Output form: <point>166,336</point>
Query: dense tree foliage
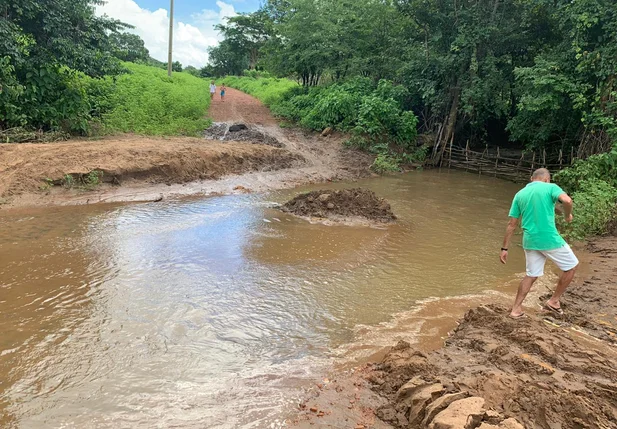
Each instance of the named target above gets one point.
<point>225,59</point>
<point>540,73</point>
<point>55,60</point>
<point>192,70</point>
<point>44,46</point>
<point>245,35</point>
<point>129,47</point>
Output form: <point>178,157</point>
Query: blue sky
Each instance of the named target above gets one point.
<point>183,9</point>
<point>194,22</point>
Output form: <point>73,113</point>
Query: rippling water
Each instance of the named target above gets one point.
<point>215,312</point>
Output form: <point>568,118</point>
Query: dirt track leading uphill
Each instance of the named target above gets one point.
<point>138,168</point>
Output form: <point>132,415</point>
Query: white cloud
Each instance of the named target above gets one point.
<point>191,40</point>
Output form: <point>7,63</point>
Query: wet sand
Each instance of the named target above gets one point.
<point>494,372</point>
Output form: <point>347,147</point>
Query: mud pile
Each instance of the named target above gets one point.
<point>495,372</point>
<point>341,204</point>
<point>241,133</point>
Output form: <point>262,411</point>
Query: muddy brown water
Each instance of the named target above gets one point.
<point>217,312</point>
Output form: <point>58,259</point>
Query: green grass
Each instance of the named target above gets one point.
<point>269,91</point>
<point>147,101</point>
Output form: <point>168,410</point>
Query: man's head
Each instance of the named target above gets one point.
<point>541,175</point>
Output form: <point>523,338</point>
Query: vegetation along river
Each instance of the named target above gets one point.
<point>217,312</point>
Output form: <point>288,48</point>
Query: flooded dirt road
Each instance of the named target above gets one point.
<point>217,312</point>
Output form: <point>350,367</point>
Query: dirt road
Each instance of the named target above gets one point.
<point>495,372</point>
<point>138,168</point>
<point>240,107</point>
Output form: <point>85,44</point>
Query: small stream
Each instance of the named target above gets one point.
<point>216,312</point>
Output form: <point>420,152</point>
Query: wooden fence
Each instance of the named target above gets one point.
<point>503,167</point>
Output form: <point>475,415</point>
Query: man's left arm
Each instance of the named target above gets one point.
<point>564,200</point>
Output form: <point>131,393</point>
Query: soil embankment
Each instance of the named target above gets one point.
<point>496,372</point>
<point>344,204</point>
<point>259,157</point>
<point>33,167</point>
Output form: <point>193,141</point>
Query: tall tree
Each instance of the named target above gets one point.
<point>42,46</point>
<point>540,73</point>
<point>64,32</point>
<point>226,60</point>
<point>247,33</point>
<point>129,47</point>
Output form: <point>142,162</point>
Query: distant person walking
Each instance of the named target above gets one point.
<point>223,89</point>
<point>212,90</point>
<point>535,206</point>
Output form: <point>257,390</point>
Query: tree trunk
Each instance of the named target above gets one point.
<point>253,58</point>
<point>449,124</point>
<point>452,116</point>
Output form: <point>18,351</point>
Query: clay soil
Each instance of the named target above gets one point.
<point>137,168</point>
<point>341,204</point>
<point>542,371</point>
<point>29,167</point>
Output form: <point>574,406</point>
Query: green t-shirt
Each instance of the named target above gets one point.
<point>535,203</point>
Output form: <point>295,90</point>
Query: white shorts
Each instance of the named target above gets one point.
<point>563,257</point>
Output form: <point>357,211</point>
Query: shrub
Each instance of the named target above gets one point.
<point>387,89</point>
<point>385,163</point>
<point>256,74</point>
<point>378,117</point>
<point>294,108</point>
<point>334,109</point>
<point>373,112</point>
<point>147,101</point>
<point>407,130</point>
<point>595,204</point>
<point>596,167</point>
<point>360,86</point>
<point>416,156</point>
<point>592,183</point>
<point>47,97</point>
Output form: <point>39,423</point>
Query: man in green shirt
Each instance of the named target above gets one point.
<point>535,207</point>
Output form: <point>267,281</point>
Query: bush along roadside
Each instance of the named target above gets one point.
<point>592,183</point>
<point>374,114</point>
<point>147,101</point>
<point>143,100</point>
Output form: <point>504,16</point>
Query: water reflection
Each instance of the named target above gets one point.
<point>214,312</point>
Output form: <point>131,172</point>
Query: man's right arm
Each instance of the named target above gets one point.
<point>512,224</point>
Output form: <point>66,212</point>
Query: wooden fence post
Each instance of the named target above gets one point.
<point>533,161</point>
<point>450,161</point>
<point>572,155</point>
<point>520,164</point>
<point>496,161</point>
<point>467,156</point>
<point>482,159</point>
<point>544,158</point>
<point>560,159</point>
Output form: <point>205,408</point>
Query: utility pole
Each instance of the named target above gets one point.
<point>171,36</point>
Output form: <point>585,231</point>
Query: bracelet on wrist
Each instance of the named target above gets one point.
<point>504,249</point>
